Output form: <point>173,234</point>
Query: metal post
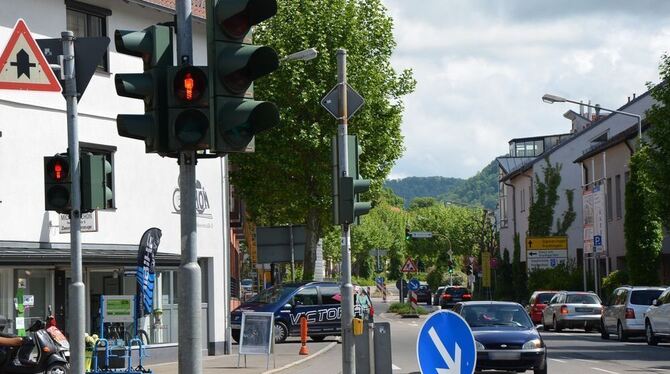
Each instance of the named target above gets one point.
<point>290,228</point>
<point>596,265</point>
<point>584,263</point>
<point>77,290</point>
<point>225,192</point>
<point>346,288</point>
<point>190,335</point>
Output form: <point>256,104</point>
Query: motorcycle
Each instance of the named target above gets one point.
<point>43,352</point>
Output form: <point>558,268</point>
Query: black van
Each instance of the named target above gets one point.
<point>319,302</point>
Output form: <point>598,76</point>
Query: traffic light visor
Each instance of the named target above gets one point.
<point>58,169</point>
<point>236,17</point>
<point>239,67</point>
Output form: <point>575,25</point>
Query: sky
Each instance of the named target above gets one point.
<point>482,67</point>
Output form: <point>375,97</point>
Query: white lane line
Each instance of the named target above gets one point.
<point>581,359</point>
<point>605,371</point>
<point>557,360</point>
<point>394,367</point>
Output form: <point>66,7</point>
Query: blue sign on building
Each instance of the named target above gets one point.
<point>597,240</point>
<point>446,345</point>
<point>413,284</point>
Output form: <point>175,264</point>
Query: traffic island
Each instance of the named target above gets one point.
<point>405,310</point>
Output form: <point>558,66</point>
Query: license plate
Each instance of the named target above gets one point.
<point>584,310</point>
<point>504,355</point>
<point>457,299</point>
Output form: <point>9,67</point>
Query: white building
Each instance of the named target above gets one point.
<point>33,125</point>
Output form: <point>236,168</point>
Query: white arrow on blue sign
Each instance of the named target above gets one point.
<point>446,345</point>
<point>413,284</point>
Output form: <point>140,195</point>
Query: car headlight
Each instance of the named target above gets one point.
<point>532,344</point>
<point>479,346</point>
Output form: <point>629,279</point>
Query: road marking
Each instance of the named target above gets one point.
<point>581,359</point>
<point>605,371</point>
<point>557,360</point>
<point>394,367</point>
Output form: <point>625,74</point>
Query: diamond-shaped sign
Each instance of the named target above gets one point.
<point>332,101</point>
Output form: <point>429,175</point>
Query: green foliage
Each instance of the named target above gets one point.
<point>361,281</point>
<point>412,187</point>
<point>504,289</point>
<point>659,135</point>
<point>541,215</point>
<point>519,276</point>
<point>288,178</point>
<point>568,216</point>
<point>563,277</point>
<point>422,202</point>
<point>613,280</point>
<point>643,229</point>
<point>391,198</point>
<point>405,308</point>
<point>439,277</point>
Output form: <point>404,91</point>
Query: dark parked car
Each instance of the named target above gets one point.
<point>505,337</point>
<point>453,295</point>
<point>438,294</point>
<point>423,294</point>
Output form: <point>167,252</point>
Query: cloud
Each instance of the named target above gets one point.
<point>481,68</point>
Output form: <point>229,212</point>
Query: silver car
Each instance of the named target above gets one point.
<point>657,319</point>
<point>572,309</point>
<point>623,311</point>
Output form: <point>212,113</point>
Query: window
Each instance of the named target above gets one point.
<point>86,20</point>
<point>523,199</point>
<point>306,296</point>
<point>617,181</point>
<point>108,152</point>
<point>609,199</point>
<point>586,178</point>
<point>330,295</point>
<point>503,205</point>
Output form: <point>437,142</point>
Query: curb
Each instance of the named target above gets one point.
<point>295,363</point>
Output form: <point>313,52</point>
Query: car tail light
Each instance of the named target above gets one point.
<point>446,296</point>
<point>467,296</point>
<point>630,313</point>
<point>564,309</point>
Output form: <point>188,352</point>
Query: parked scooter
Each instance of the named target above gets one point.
<point>44,352</point>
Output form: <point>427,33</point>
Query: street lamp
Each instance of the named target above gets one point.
<point>304,55</point>
<point>550,99</point>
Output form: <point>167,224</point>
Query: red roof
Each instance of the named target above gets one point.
<point>197,6</point>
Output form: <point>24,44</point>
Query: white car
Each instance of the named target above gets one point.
<point>657,319</point>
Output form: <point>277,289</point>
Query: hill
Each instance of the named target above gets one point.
<point>480,189</point>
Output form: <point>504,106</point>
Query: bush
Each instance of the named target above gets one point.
<point>405,308</point>
<point>439,277</point>
<point>613,280</point>
<point>562,277</point>
<point>360,281</point>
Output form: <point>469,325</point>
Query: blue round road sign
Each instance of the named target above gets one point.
<point>413,284</point>
<point>446,345</point>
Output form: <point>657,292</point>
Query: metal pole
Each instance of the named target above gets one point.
<point>77,290</point>
<point>346,288</point>
<point>225,188</point>
<point>584,269</point>
<point>190,335</point>
<point>290,228</point>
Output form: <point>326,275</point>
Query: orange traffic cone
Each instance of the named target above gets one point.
<point>303,337</point>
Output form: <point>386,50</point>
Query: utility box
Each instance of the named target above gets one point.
<point>382,348</point>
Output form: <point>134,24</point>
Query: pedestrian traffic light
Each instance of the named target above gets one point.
<point>188,113</point>
<point>96,182</point>
<point>408,234</point>
<point>234,65</point>
<point>154,46</point>
<point>57,183</point>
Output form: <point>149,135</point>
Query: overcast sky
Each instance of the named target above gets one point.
<point>482,67</point>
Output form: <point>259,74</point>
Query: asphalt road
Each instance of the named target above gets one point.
<point>569,352</point>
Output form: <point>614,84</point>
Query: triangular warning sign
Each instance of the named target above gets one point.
<point>22,64</point>
<point>409,266</point>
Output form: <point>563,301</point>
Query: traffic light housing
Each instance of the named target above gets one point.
<point>408,234</point>
<point>154,45</point>
<point>188,103</point>
<point>96,182</point>
<point>469,269</point>
<point>234,65</point>
<point>451,267</point>
<point>347,207</point>
<point>57,183</point>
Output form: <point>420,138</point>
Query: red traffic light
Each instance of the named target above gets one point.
<point>58,169</point>
<point>190,84</point>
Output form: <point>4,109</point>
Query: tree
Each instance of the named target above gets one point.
<point>541,215</point>
<point>422,202</point>
<point>288,178</point>
<point>643,229</point>
<point>519,276</point>
<point>659,135</point>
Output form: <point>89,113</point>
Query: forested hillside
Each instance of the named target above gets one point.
<point>480,189</point>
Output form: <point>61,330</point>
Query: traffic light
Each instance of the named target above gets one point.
<point>154,45</point>
<point>451,267</point>
<point>57,183</point>
<point>234,65</point>
<point>408,234</point>
<point>469,269</point>
<point>188,113</point>
<point>96,182</point>
<point>350,208</point>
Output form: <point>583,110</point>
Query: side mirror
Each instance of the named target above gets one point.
<point>287,306</point>
<point>654,302</point>
<point>539,327</point>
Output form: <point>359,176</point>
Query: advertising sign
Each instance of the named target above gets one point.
<point>587,211</point>
<point>599,219</point>
<point>486,269</point>
<point>118,308</point>
<point>256,335</point>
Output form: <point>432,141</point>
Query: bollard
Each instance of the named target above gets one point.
<point>303,336</point>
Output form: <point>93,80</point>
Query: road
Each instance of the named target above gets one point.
<point>570,351</point>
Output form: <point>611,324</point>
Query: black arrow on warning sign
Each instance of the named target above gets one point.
<point>23,64</point>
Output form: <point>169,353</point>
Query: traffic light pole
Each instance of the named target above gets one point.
<point>190,335</point>
<point>77,291</point>
<point>346,288</point>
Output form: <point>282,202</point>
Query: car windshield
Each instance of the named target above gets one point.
<point>272,295</point>
<point>544,298</point>
<point>496,315</point>
<point>582,299</point>
<point>644,297</point>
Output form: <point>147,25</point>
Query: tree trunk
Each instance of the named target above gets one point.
<point>312,233</point>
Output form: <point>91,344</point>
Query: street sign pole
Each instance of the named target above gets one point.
<point>77,289</point>
<point>190,334</point>
<point>346,288</point>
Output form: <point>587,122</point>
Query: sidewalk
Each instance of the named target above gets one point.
<point>286,356</point>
